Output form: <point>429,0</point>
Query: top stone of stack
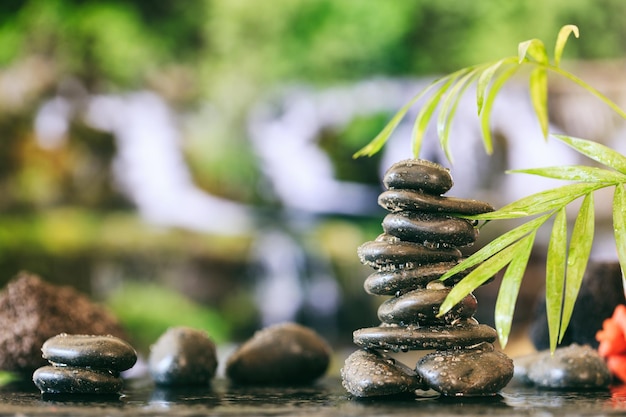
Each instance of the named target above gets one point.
<point>418,174</point>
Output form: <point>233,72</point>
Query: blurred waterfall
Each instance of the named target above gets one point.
<point>148,168</point>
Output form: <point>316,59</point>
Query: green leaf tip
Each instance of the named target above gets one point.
<point>533,49</point>
<point>561,40</point>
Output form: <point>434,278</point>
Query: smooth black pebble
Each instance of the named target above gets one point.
<point>281,354</point>
<point>418,174</point>
<point>100,352</point>
<point>371,374</point>
<point>76,380</point>
<point>183,356</point>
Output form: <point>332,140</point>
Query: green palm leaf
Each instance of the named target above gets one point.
<point>449,107</point>
<point>597,152</point>
<point>497,245</point>
<point>379,141</point>
<point>561,40</point>
<point>478,276</point>
<point>485,115</point>
<point>541,202</point>
<point>426,112</point>
<point>555,275</point>
<point>619,225</point>
<point>538,86</point>
<point>509,289</point>
<point>581,173</point>
<point>577,258</point>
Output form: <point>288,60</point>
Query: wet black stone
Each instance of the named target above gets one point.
<point>477,372</point>
<point>418,174</point>
<point>408,200</point>
<point>100,352</point>
<point>183,356</point>
<point>430,229</point>
<point>573,367</point>
<point>286,353</point>
<point>75,380</point>
<point>371,374</point>
<point>402,280</point>
<point>390,253</point>
<point>397,338</point>
<point>422,306</point>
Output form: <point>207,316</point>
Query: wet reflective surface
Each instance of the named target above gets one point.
<point>326,398</point>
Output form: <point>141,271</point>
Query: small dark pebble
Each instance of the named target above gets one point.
<point>573,367</point>
<point>430,229</point>
<point>384,253</point>
<point>402,280</point>
<point>99,352</point>
<point>183,356</point>
<point>281,354</point>
<point>371,374</point>
<point>477,372</point>
<point>422,306</point>
<point>75,380</point>
<point>397,338</point>
<point>418,174</point>
<point>401,200</point>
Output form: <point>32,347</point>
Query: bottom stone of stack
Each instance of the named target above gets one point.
<point>481,371</point>
<point>371,374</point>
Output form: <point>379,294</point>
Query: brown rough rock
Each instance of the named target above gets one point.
<point>32,311</point>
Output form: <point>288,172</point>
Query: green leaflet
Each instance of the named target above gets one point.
<point>541,202</point>
<point>534,49</point>
<point>590,89</point>
<point>561,40</point>
<point>538,86</point>
<point>379,141</point>
<point>581,173</point>
<point>497,245</point>
<point>555,275</point>
<point>619,225</point>
<point>485,80</point>
<point>485,115</point>
<point>577,258</point>
<point>427,110</point>
<point>478,276</point>
<point>597,152</point>
<point>509,289</point>
<point>449,107</point>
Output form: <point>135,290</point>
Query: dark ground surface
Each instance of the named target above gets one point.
<point>326,398</point>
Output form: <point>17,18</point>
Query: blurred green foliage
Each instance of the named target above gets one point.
<point>234,47</point>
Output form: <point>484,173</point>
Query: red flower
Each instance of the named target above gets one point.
<point>612,340</point>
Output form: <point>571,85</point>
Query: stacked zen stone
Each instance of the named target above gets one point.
<point>84,364</point>
<point>419,244</point>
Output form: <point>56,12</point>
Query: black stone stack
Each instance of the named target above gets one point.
<point>84,364</point>
<point>419,244</point>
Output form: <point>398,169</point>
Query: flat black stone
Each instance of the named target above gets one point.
<point>422,306</point>
<point>573,367</point>
<point>418,174</point>
<point>183,356</point>
<point>388,252</point>
<point>286,353</point>
<point>75,380</point>
<point>430,229</point>
<point>404,338</point>
<point>101,352</point>
<point>408,200</point>
<point>373,374</point>
<point>402,280</point>
<point>469,373</point>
